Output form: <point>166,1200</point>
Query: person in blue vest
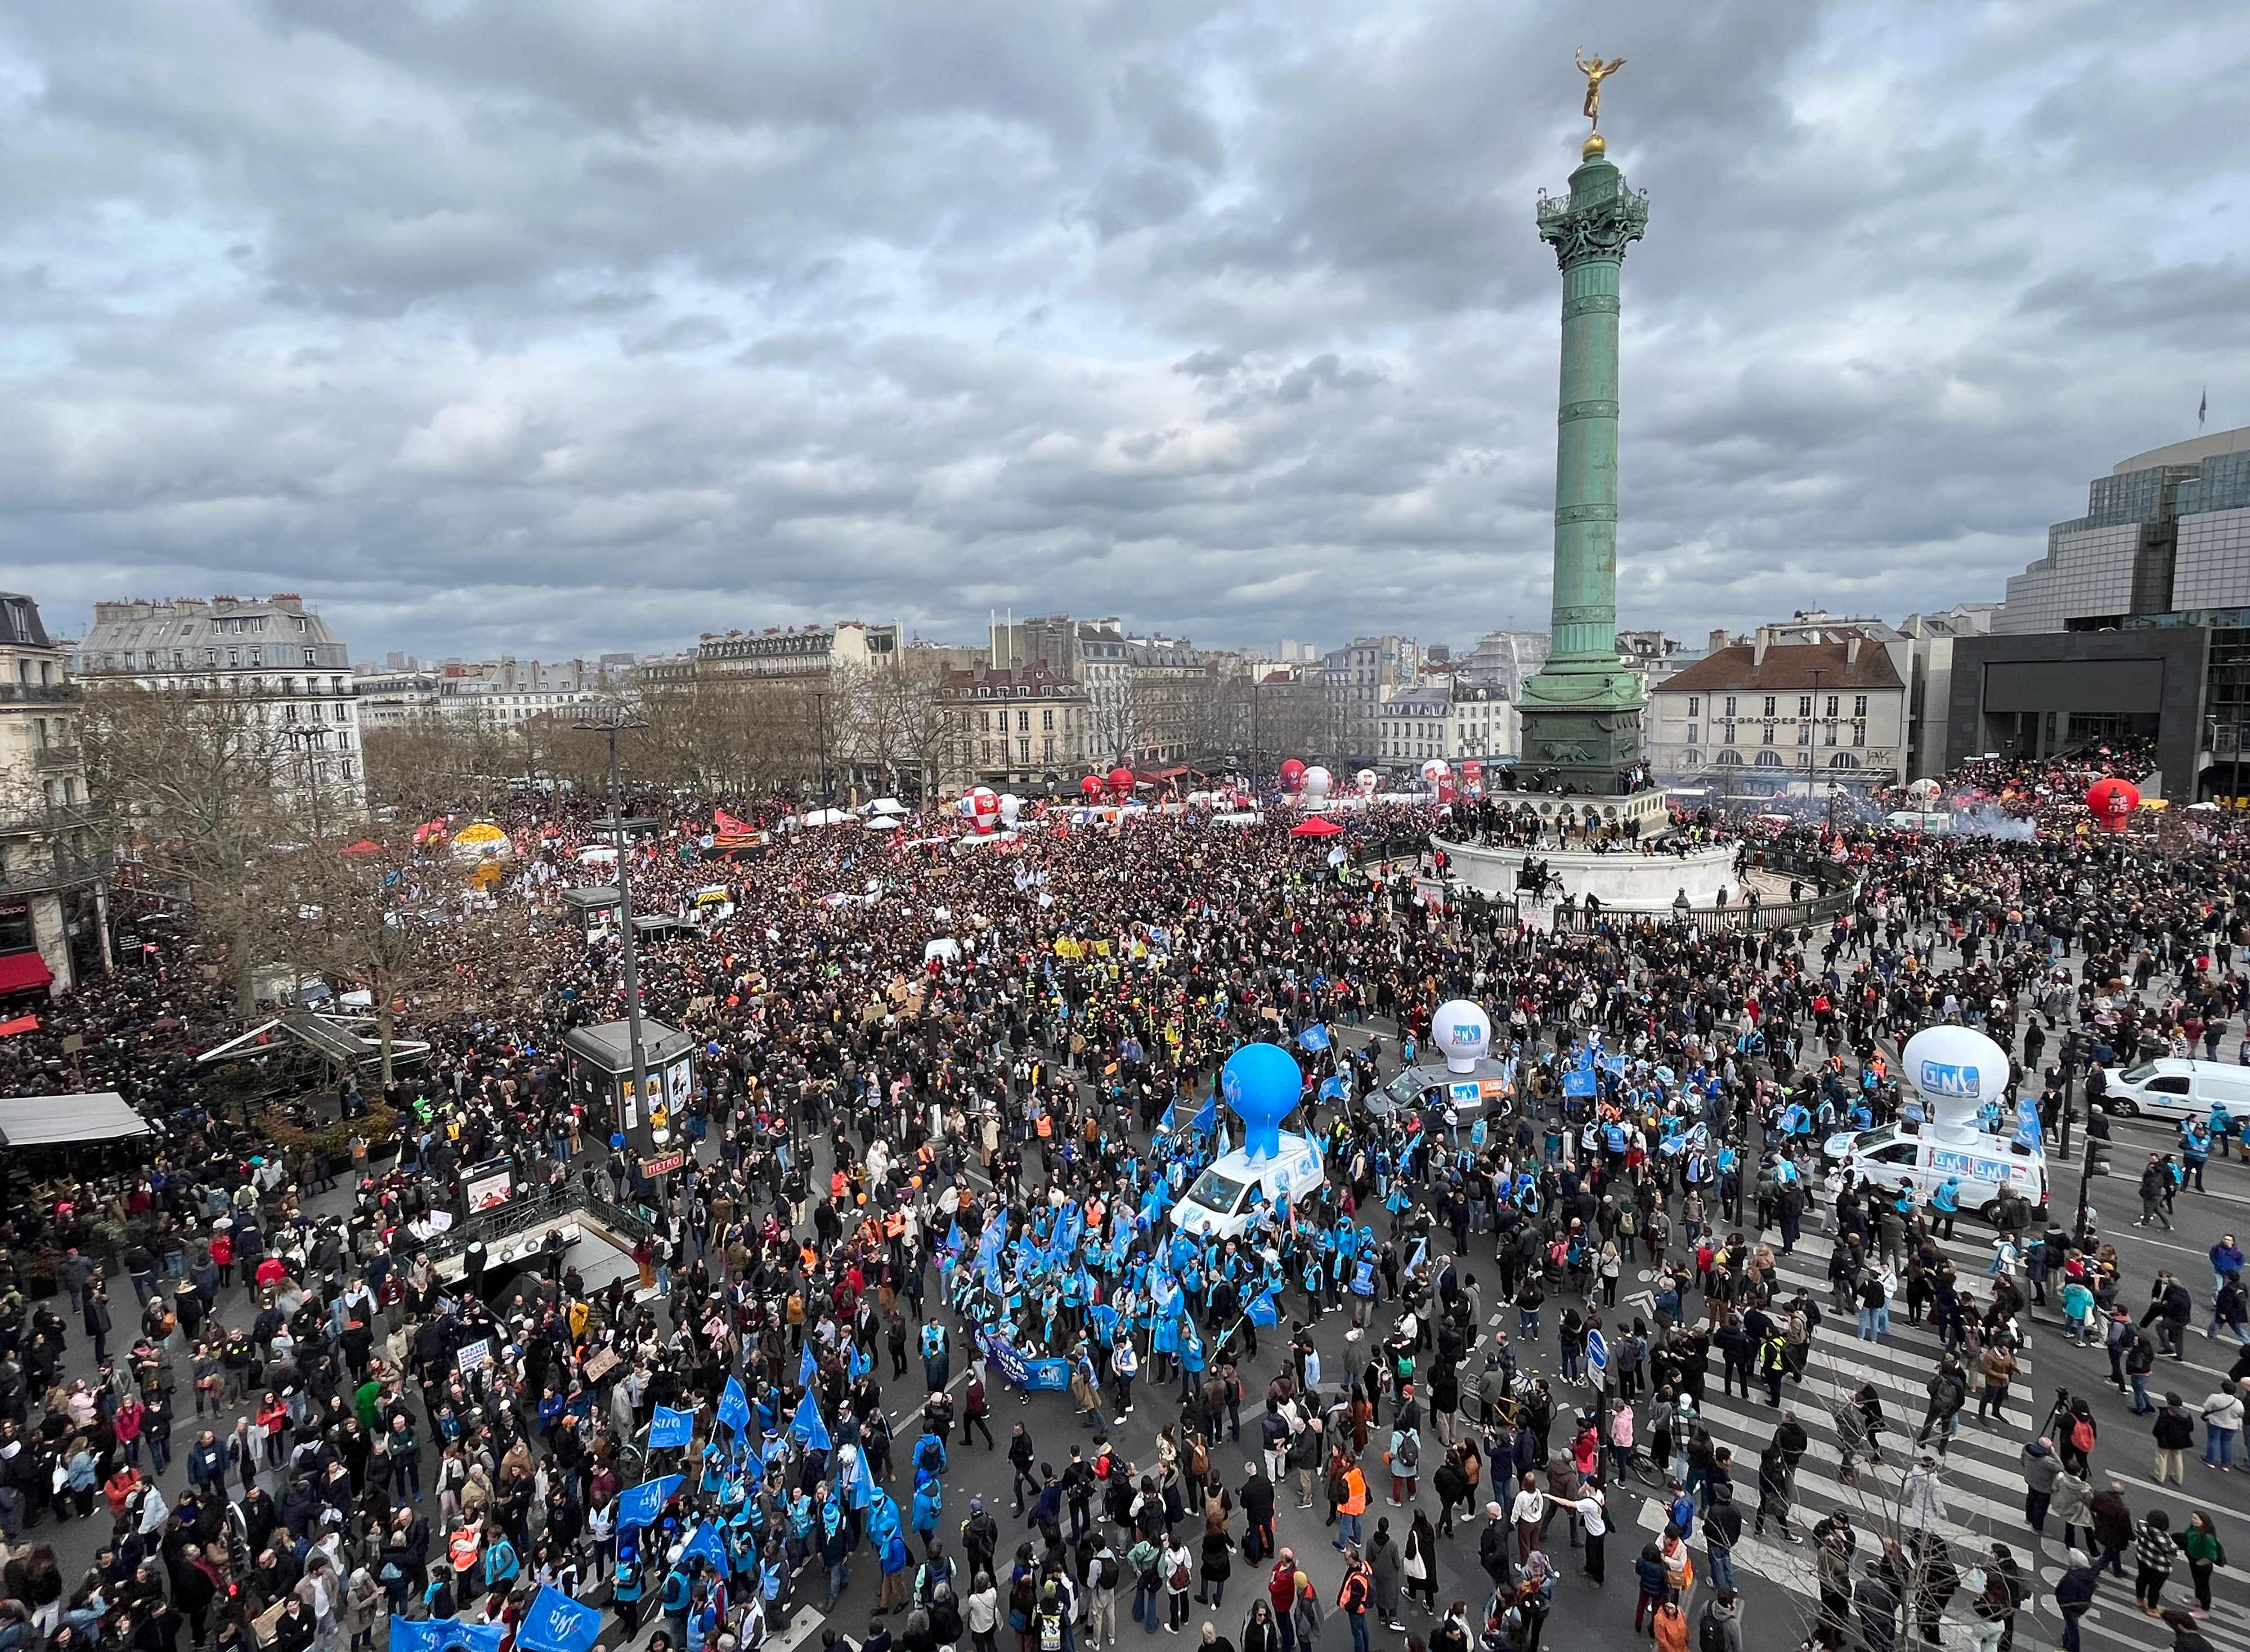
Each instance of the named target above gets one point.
<point>625,1595</point>
<point>1945,1205</point>
<point>500,1564</point>
<point>2195,1152</point>
<point>678,1595</point>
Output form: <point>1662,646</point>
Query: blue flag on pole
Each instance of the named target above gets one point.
<point>1262,1310</point>
<point>1332,1088</point>
<point>1421,1250</point>
<point>856,1368</point>
<point>640,1504</point>
<point>1315,1037</point>
<point>734,1405</point>
<point>557,1623</point>
<point>446,1635</point>
<point>709,1545</point>
<point>861,1492</point>
<point>670,1428</point>
<point>805,1368</point>
<point>807,1426</point>
<point>2028,1131</point>
<point>1206,1117</point>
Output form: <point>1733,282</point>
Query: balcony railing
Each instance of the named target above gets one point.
<point>58,757</point>
<point>60,817</point>
<point>40,693</point>
<point>66,872</point>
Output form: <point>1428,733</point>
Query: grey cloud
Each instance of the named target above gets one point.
<point>574,328</point>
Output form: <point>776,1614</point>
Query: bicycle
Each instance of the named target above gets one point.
<point>1645,1469</point>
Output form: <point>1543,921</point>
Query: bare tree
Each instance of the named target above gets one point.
<point>200,777</point>
<point>391,919</point>
<point>893,722</point>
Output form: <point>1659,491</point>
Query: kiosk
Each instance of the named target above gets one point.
<point>600,1058</point>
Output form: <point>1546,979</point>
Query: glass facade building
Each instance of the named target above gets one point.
<point>2166,531</point>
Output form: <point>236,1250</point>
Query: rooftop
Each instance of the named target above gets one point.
<point>1789,667</point>
<point>2193,452</point>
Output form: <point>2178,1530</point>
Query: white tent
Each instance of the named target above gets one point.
<point>824,817</point>
<point>882,822</point>
<point>40,1121</point>
<point>887,806</point>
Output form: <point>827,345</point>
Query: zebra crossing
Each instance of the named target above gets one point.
<point>1980,1483</point>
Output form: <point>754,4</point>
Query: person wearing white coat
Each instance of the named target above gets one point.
<point>1925,1498</point>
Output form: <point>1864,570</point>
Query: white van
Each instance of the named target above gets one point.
<point>1885,1157</point>
<point>1231,1192</point>
<point>2176,1087</point>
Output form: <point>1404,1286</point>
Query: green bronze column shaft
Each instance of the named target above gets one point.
<point>1584,625</point>
<point>1582,712</point>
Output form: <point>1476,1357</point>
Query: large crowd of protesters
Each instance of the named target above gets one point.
<point>919,1161</point>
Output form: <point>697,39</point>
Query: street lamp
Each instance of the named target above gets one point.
<point>611,719</point>
<point>308,740</point>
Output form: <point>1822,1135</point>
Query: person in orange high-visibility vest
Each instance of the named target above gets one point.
<point>1353,1506</point>
<point>461,1549</point>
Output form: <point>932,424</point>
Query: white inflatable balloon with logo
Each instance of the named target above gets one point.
<point>984,808</point>
<point>1463,1032</point>
<point>1954,1071</point>
<point>1317,782</point>
<point>1436,770</point>
<point>1010,806</point>
<point>1366,781</point>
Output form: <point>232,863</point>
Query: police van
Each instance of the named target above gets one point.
<point>1236,1190</point>
<point>1887,1156</point>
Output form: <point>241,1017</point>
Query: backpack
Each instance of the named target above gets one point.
<point>1409,1455</point>
<point>1709,1637</point>
<point>1105,1574</point>
<point>1180,1574</point>
<point>2081,1435</point>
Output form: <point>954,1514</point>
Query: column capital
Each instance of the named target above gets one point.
<point>1599,218</point>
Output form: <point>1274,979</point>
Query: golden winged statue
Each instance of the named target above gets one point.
<point>1596,73</point>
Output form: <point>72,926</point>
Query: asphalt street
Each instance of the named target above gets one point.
<point>1982,1487</point>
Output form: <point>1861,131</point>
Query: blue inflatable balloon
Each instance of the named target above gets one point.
<point>1261,1083</point>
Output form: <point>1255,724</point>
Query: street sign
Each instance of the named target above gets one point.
<point>664,1166</point>
<point>1598,1350</point>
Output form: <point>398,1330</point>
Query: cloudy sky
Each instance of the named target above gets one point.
<point>560,326</point>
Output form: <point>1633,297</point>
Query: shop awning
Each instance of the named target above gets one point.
<point>40,1121</point>
<point>24,972</point>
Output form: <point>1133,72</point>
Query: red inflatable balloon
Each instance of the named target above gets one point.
<point>2112,802</point>
<point>1293,775</point>
<point>1090,787</point>
<point>1120,782</point>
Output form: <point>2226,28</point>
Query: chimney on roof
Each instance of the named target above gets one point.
<point>287,602</point>
<point>1717,639</point>
<point>1852,649</point>
<point>1761,642</point>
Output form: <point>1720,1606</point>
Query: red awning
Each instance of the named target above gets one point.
<point>24,972</point>
<point>1319,826</point>
<point>20,1024</point>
